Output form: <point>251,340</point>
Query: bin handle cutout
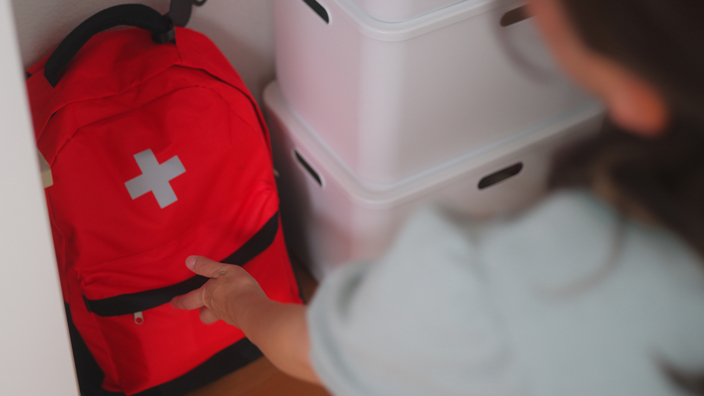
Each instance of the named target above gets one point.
<point>308,168</point>
<point>502,175</point>
<point>319,9</point>
<point>514,16</point>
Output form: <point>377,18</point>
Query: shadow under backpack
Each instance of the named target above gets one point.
<point>157,151</point>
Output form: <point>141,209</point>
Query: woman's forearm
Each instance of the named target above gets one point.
<point>281,333</point>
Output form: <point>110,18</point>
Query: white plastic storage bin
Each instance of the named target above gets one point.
<point>329,218</point>
<point>403,10</point>
<point>394,100</point>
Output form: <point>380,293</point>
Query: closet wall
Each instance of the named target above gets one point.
<point>242,29</point>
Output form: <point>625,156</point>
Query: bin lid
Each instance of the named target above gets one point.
<point>370,20</point>
<point>402,10</point>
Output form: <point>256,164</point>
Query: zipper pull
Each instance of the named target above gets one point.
<point>139,318</point>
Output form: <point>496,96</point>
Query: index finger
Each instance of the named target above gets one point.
<point>205,266</point>
<point>189,301</point>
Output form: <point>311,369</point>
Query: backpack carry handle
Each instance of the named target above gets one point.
<point>136,15</point>
<point>180,11</point>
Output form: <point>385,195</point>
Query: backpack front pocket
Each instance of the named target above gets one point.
<point>147,341</point>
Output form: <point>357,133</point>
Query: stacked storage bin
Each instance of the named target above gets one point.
<point>383,105</point>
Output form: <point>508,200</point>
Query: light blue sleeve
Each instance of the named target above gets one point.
<point>418,322</point>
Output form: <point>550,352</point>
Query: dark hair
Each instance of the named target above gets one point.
<point>660,40</point>
<point>662,178</point>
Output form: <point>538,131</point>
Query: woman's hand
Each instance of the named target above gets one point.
<point>225,296</point>
<point>279,330</point>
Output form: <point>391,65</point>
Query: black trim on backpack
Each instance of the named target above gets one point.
<point>137,302</point>
<point>137,15</point>
<point>222,363</point>
<point>91,376</point>
<point>258,243</point>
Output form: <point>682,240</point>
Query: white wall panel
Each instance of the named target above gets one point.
<point>35,354</point>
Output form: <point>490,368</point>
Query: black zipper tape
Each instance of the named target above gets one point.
<point>137,302</point>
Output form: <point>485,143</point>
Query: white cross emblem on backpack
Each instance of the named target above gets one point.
<point>155,177</point>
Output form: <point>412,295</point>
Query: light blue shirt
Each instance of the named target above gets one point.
<point>567,299</point>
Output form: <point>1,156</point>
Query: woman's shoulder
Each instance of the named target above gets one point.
<point>573,237</point>
<point>568,236</point>
<point>588,290</point>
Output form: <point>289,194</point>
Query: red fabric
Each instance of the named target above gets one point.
<point>121,95</point>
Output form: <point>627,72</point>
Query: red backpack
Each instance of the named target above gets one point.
<point>157,151</point>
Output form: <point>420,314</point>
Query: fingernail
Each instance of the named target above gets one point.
<point>191,262</point>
